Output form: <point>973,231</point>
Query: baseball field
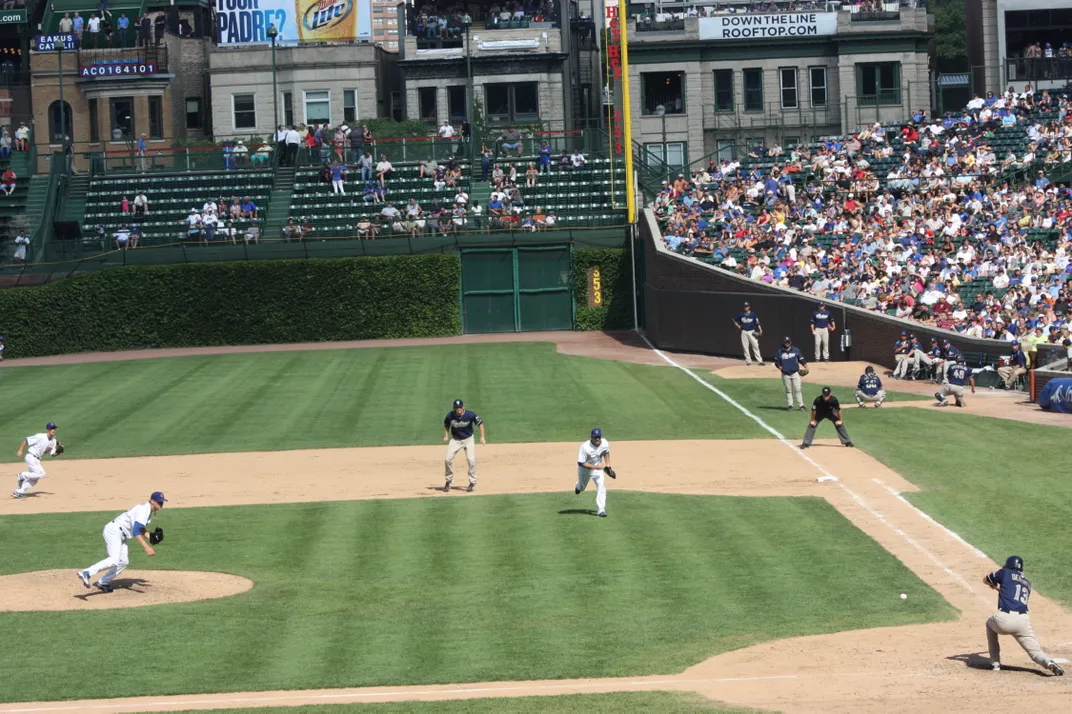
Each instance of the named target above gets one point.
<point>311,557</point>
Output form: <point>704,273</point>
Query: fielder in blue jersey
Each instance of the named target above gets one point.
<point>458,435</point>
<point>822,324</point>
<point>869,389</point>
<point>789,362</point>
<point>1014,591</point>
<point>957,375</point>
<point>748,323</point>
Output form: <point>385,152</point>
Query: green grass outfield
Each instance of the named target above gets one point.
<point>615,703</point>
<point>363,397</point>
<point>421,591</point>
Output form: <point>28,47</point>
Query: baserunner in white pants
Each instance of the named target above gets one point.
<point>35,447</point>
<point>458,434</point>
<point>592,458</point>
<point>132,524</point>
<point>1014,590</point>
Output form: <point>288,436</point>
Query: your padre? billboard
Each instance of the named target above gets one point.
<point>241,22</point>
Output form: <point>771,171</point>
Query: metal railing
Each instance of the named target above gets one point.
<point>159,159</point>
<point>1038,68</point>
<point>875,16</point>
<point>156,55</point>
<point>648,24</point>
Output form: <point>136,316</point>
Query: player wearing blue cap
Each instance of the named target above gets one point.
<point>458,435</point>
<point>1014,591</point>
<point>748,323</point>
<point>35,447</point>
<point>822,324</point>
<point>132,524</point>
<point>1017,366</point>
<point>902,353</point>
<point>593,459</point>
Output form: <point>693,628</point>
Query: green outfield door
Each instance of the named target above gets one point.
<point>516,289</point>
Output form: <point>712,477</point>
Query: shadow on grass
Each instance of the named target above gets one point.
<point>136,585</point>
<point>977,660</point>
<point>578,512</point>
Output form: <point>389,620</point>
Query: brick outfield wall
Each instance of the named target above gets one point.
<point>689,306</point>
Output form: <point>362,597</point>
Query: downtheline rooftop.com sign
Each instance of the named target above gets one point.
<point>747,26</point>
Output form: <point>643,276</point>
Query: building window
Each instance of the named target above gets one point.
<point>318,107</point>
<point>723,90</point>
<point>673,154</point>
<point>663,93</point>
<point>58,118</point>
<point>456,104</point>
<point>878,83</point>
<point>791,141</point>
<point>94,129</point>
<point>787,78</point>
<point>156,117</point>
<point>122,114</point>
<point>753,90</point>
<point>193,113</point>
<point>288,108</point>
<point>245,111</point>
<point>349,105</point>
<point>817,76</point>
<point>515,102</point>
<point>725,149</point>
<point>426,105</point>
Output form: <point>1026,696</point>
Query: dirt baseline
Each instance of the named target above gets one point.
<point>925,668</point>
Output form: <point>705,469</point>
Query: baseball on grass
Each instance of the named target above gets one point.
<point>904,596</point>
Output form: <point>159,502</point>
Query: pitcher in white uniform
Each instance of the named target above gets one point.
<point>132,524</point>
<point>592,458</point>
<point>35,447</point>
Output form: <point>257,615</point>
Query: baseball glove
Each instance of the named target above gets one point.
<point>157,536</point>
<point>59,448</point>
<point>759,332</point>
<point>803,371</point>
<point>610,472</point>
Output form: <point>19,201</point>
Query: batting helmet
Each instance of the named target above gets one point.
<point>1014,562</point>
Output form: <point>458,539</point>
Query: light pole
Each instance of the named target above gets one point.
<point>467,21</point>
<point>57,44</point>
<point>273,33</point>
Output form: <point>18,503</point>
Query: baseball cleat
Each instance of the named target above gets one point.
<point>761,364</point>
<point>472,487</point>
<point>804,446</point>
<point>789,409</point>
<point>1051,665</point>
<point>860,404</point>
<point>849,444</point>
<point>576,489</point>
<point>84,577</point>
<point>104,588</point>
<point>878,404</point>
<point>16,494</point>
<point>603,514</point>
<point>995,666</point>
<point>802,408</point>
<point>446,487</point>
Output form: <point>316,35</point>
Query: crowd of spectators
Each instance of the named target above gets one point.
<point>447,21</point>
<point>952,235</point>
<point>772,7</point>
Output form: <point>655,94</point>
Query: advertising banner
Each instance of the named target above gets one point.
<point>12,17</point>
<point>241,22</point>
<point>118,68</point>
<point>749,26</point>
<point>46,43</point>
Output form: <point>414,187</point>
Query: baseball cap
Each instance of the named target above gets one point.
<point>458,403</point>
<point>50,425</point>
<point>748,304</point>
<point>826,391</point>
<point>158,497</point>
<point>597,433</point>
<point>786,339</point>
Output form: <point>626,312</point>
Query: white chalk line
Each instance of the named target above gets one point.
<point>926,517</point>
<point>826,474</point>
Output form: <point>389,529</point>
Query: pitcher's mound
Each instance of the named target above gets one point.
<point>62,590</point>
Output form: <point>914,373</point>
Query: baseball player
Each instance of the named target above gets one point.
<point>932,358</point>
<point>822,324</point>
<point>902,353</point>
<point>132,524</point>
<point>957,374</point>
<point>748,323</point>
<point>869,388</point>
<point>458,435</point>
<point>1014,590</point>
<point>1,348</point>
<point>1017,366</point>
<point>826,406</point>
<point>789,362</point>
<point>593,460</point>
<point>35,447</point>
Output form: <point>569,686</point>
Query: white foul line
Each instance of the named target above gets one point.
<point>923,515</point>
<point>827,476</point>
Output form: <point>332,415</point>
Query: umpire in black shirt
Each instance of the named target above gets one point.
<point>826,406</point>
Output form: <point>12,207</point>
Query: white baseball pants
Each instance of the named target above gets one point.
<point>750,343</point>
<point>791,382</point>
<point>822,341</point>
<point>596,476</point>
<point>903,363</point>
<point>453,447</point>
<point>118,555</point>
<point>34,472</point>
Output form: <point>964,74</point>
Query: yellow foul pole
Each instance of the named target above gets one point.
<point>627,113</point>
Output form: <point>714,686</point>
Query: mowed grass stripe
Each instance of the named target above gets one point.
<point>456,589</point>
<point>526,392</point>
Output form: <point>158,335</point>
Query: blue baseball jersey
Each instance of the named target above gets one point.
<point>935,352</point>
<point>1019,359</point>
<point>957,374</point>
<point>869,384</point>
<point>1014,590</point>
<point>952,352</point>
<point>902,347</point>
<point>789,360</point>
<point>461,427</point>
<point>821,319</point>
<point>747,321</point>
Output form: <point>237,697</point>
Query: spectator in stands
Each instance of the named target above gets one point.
<point>476,213</point>
<point>427,167</point>
<point>293,142</point>
<point>21,243</point>
<point>253,233</point>
<point>7,181</point>
<point>384,170</point>
<point>122,237</point>
<point>564,161</point>
<point>159,24</point>
<point>249,208</point>
<point>145,30</point>
<point>356,139</point>
<point>66,25</point>
<point>78,26</point>
<point>22,137</point>
<point>94,27</point>
<point>577,161</point>
<point>135,236</point>
<point>545,158</point>
<point>365,228</point>
<point>439,179</point>
<point>485,162</point>
<point>124,206</point>
<point>123,23</point>
<point>141,204</point>
<point>367,164</point>
<point>241,154</point>
<point>414,213</point>
<point>5,144</point>
<point>307,228</point>
<point>392,216</point>
<point>106,28</point>
<point>209,222</point>
<point>193,225</point>
<point>291,231</point>
<point>338,143</point>
<point>226,230</point>
<point>511,141</point>
<point>446,131</point>
<point>281,143</point>
<point>338,175</point>
<point>263,155</point>
<point>140,150</point>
